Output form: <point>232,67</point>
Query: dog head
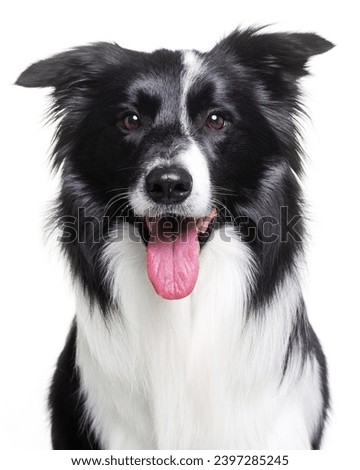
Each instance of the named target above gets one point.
<point>175,140</point>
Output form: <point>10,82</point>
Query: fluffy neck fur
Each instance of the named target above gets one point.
<point>193,373</point>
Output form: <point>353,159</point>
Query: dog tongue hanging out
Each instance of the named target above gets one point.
<point>173,254</point>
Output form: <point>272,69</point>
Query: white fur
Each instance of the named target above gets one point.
<point>192,68</point>
<point>195,162</point>
<point>192,373</point>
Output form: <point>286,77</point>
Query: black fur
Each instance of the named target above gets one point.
<point>69,427</point>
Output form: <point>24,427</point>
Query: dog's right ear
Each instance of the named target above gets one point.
<point>71,67</point>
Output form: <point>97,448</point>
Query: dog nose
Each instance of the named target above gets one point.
<point>168,185</point>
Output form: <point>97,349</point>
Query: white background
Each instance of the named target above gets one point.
<point>36,303</point>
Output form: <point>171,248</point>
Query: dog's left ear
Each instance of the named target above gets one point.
<point>64,70</point>
<point>274,52</point>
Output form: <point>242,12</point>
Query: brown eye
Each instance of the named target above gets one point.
<point>131,122</point>
<point>215,122</point>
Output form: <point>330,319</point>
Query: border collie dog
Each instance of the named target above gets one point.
<point>180,215</point>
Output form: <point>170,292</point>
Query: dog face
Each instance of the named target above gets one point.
<point>175,140</point>
<point>131,120</point>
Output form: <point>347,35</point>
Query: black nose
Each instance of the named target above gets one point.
<point>168,185</point>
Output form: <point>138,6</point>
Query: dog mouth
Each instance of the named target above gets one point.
<point>172,252</point>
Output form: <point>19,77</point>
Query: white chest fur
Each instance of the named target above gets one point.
<point>192,373</point>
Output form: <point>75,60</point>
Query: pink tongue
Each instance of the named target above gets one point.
<point>173,263</point>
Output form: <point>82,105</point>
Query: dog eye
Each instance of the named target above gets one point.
<point>215,122</point>
<point>131,122</point>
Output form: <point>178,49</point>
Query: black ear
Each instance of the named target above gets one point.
<point>70,67</point>
<point>289,52</point>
